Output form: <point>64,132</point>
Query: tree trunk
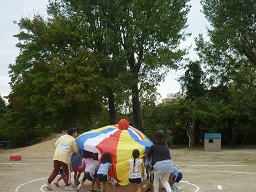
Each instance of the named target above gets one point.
<point>111,106</point>
<point>197,131</point>
<point>190,133</point>
<point>135,91</point>
<point>230,129</point>
<point>136,107</point>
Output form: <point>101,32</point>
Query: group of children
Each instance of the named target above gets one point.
<point>98,172</point>
<point>93,171</point>
<point>138,167</point>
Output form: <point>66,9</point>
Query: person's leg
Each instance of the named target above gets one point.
<point>69,178</point>
<point>102,186</point>
<point>66,173</point>
<point>150,187</point>
<point>95,180</point>
<point>165,181</point>
<point>97,183</point>
<point>58,180</point>
<point>134,187</point>
<point>108,187</point>
<point>55,171</point>
<point>156,181</point>
<point>139,187</point>
<point>75,175</point>
<point>81,184</point>
<point>78,176</point>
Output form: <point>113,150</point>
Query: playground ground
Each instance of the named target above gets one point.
<point>230,170</point>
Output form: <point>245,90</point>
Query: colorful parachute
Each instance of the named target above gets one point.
<point>119,140</point>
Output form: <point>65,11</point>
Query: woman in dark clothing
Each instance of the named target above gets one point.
<point>161,161</point>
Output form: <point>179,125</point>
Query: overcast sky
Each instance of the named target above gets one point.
<point>14,10</point>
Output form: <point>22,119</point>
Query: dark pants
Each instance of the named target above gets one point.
<point>56,168</point>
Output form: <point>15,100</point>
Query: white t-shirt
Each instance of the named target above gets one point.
<point>135,171</point>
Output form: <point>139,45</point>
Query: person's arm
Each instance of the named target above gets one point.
<point>79,155</point>
<point>150,151</point>
<point>142,168</point>
<point>83,163</point>
<point>76,149</point>
<point>171,181</point>
<point>112,171</point>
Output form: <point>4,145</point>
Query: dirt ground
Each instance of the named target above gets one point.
<point>230,170</point>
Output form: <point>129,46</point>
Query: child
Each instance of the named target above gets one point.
<point>77,173</point>
<point>102,173</point>
<point>136,170</point>
<point>148,166</point>
<point>91,167</point>
<point>150,173</point>
<point>176,176</point>
<point>96,180</point>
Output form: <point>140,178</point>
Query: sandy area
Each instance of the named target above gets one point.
<point>231,169</point>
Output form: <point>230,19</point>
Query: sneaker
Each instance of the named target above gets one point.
<point>57,184</point>
<point>69,188</point>
<point>48,186</point>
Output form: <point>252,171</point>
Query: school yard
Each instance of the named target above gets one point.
<point>230,170</point>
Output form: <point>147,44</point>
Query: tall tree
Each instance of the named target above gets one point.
<point>232,43</point>
<point>193,88</point>
<point>145,34</point>
<point>52,80</point>
<point>229,55</point>
<point>192,83</point>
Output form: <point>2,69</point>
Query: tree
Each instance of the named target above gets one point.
<point>229,56</point>
<point>52,82</point>
<point>3,107</point>
<point>192,84</point>
<point>232,38</point>
<point>133,31</point>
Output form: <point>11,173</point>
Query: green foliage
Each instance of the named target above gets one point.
<point>192,82</point>
<point>229,54</point>
<point>53,80</point>
<point>3,107</point>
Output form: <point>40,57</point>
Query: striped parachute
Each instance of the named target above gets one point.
<point>119,140</point>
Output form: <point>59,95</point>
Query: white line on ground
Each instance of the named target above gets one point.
<point>197,188</point>
<point>41,188</point>
<point>237,172</point>
<point>17,189</point>
<point>219,187</point>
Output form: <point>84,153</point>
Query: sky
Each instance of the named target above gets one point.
<point>14,10</point>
